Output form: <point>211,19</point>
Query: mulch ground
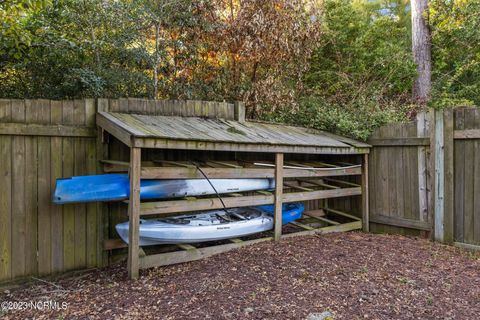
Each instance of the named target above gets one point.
<point>352,275</point>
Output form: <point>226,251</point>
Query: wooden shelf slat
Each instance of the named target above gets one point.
<point>320,184</point>
<point>341,213</point>
<point>174,206</point>
<point>301,225</point>
<point>331,222</point>
<point>346,183</point>
<point>182,170</point>
<point>185,246</point>
<point>298,187</point>
<point>238,173</point>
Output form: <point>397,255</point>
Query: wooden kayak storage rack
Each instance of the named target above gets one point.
<point>294,181</point>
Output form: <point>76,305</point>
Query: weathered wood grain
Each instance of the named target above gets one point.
<point>459,171</point>
<point>5,195</point>
<point>42,108</point>
<point>469,167</point>
<point>467,134</point>
<point>45,140</point>
<point>47,130</point>
<point>401,222</point>
<point>402,142</point>
<point>18,214</point>
<point>476,184</point>
<point>396,183</point>
<point>134,213</point>
<point>173,206</point>
<point>79,169</point>
<point>92,222</point>
<point>31,194</point>
<point>56,170</point>
<point>365,194</point>
<point>448,176</point>
<point>278,197</point>
<point>68,147</point>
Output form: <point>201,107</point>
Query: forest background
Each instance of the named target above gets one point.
<point>337,65</point>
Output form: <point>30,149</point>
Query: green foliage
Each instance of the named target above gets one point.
<point>358,121</point>
<point>345,68</point>
<point>14,37</point>
<point>78,49</point>
<point>456,52</point>
<point>188,49</point>
<point>362,72</point>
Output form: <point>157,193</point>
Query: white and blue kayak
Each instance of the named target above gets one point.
<point>211,225</point>
<point>115,187</point>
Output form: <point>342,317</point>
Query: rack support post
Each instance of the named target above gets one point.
<point>134,213</point>
<point>365,198</point>
<point>278,195</point>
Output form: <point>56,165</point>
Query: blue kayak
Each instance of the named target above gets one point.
<point>210,225</point>
<point>115,187</point>
<point>290,211</point>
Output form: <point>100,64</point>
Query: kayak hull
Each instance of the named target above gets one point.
<point>116,187</point>
<point>205,226</point>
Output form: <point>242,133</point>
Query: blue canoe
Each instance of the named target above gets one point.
<point>210,225</point>
<point>115,187</point>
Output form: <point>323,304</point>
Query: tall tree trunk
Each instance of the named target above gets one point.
<point>422,52</point>
<point>155,65</point>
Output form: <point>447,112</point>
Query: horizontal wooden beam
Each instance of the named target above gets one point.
<point>169,258</point>
<point>174,206</point>
<point>341,213</point>
<point>110,244</point>
<point>344,227</point>
<point>467,134</point>
<point>321,194</point>
<point>237,173</point>
<point>347,183</point>
<point>314,213</point>
<point>328,221</point>
<point>468,246</point>
<point>49,130</point>
<point>116,129</point>
<point>120,166</point>
<point>301,225</point>
<point>165,259</point>
<point>151,172</point>
<point>163,143</point>
<point>401,222</point>
<point>399,142</point>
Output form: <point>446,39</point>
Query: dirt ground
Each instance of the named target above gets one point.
<point>352,275</point>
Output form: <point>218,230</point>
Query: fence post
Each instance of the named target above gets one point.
<point>443,175</point>
<point>134,213</point>
<point>422,168</point>
<point>448,189</point>
<point>439,177</point>
<point>239,110</point>
<point>278,196</point>
<point>365,195</point>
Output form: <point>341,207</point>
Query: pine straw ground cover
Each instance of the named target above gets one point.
<point>352,275</point>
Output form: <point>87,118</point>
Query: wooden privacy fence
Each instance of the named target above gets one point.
<point>399,176</point>
<point>457,200</point>
<point>42,140</point>
<point>425,177</point>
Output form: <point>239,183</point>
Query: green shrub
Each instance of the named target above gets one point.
<point>361,74</point>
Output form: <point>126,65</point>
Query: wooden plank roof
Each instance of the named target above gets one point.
<point>170,132</point>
